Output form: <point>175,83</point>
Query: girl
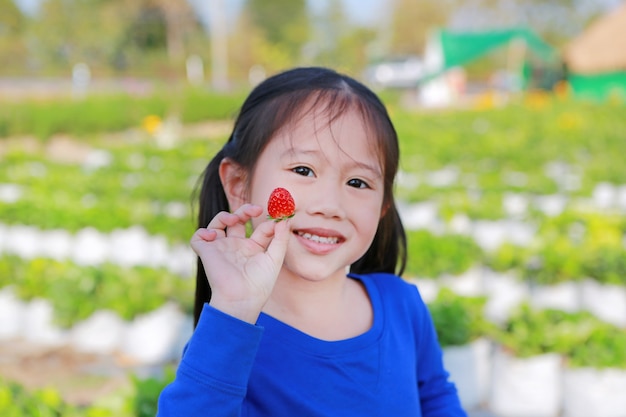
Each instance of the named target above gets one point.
<point>306,316</point>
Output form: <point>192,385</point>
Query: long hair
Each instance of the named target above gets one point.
<point>278,101</point>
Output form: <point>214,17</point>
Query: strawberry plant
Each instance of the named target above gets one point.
<point>458,319</point>
<point>77,292</point>
<point>528,332</point>
<point>430,256</point>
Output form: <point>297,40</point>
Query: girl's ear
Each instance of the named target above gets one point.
<point>233,178</point>
<point>384,209</point>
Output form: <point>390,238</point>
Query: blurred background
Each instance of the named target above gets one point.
<point>512,186</point>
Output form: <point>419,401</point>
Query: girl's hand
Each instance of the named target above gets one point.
<point>241,271</point>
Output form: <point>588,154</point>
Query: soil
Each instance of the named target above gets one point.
<point>80,378</point>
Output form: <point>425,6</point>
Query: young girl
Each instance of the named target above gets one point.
<point>306,316</point>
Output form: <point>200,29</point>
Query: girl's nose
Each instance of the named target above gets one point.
<point>326,201</point>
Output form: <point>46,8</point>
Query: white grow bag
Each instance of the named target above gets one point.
<point>529,387</point>
<point>589,392</point>
<point>469,367</point>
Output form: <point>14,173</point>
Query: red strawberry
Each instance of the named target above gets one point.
<point>280,206</point>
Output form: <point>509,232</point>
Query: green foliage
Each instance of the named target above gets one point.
<point>458,320</point>
<point>16,401</point>
<point>507,257</point>
<point>76,292</point>
<point>430,256</point>
<point>606,264</point>
<point>100,113</point>
<point>284,23</point>
<point>147,391</point>
<point>136,188</point>
<point>604,347</point>
<point>140,401</point>
<point>583,339</point>
<point>571,246</point>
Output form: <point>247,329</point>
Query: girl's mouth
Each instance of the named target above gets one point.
<point>329,240</point>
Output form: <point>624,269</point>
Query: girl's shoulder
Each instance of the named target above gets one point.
<point>389,285</point>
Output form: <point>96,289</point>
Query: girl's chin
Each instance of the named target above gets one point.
<point>314,271</point>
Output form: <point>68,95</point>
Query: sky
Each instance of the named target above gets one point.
<point>361,11</point>
<point>364,12</point>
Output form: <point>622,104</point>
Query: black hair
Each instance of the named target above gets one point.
<point>271,105</point>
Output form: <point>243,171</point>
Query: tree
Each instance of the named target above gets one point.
<point>12,47</point>
<point>283,23</point>
<point>411,23</point>
<point>250,47</point>
<point>338,43</point>
<point>177,18</point>
<point>69,31</point>
<point>11,18</point>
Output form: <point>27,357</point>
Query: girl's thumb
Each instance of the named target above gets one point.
<point>278,246</point>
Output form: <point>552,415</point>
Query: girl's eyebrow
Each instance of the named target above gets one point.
<point>374,169</point>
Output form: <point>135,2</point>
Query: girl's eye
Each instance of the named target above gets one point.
<point>357,183</point>
<point>304,171</point>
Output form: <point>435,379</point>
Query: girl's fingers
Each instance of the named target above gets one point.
<point>273,236</point>
<point>278,246</point>
<point>222,220</point>
<point>244,214</point>
<point>207,235</point>
<point>235,222</point>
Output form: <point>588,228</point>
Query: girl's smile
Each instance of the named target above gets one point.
<point>319,241</point>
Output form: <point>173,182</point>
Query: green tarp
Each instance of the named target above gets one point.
<point>599,86</point>
<point>460,48</point>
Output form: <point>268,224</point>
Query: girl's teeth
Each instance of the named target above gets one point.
<point>319,239</point>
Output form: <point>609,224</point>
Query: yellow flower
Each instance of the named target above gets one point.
<point>568,121</point>
<point>151,124</point>
<point>537,100</point>
<point>485,101</point>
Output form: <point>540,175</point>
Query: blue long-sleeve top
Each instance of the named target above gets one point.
<point>233,368</point>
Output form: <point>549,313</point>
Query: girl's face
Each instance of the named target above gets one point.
<point>334,174</point>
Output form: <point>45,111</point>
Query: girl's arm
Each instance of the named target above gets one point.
<point>213,374</point>
<point>438,395</point>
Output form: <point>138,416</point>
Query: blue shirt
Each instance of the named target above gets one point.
<point>232,368</point>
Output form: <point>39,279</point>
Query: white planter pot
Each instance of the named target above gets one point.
<point>525,387</point>
<point>90,247</point>
<point>470,367</point>
<point>156,337</point>
<point>11,314</point>
<point>23,241</point>
<point>39,324</point>
<point>101,333</point>
<point>565,296</point>
<point>505,293</point>
<point>607,302</point>
<point>428,288</point>
<point>591,392</point>
<point>129,247</point>
<point>56,244</point>
<point>469,284</point>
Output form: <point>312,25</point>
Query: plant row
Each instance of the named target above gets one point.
<point>516,146</point>
<point>112,188</point>
<point>99,113</point>
<point>76,292</point>
<point>554,256</point>
<point>581,338</point>
<point>139,401</point>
